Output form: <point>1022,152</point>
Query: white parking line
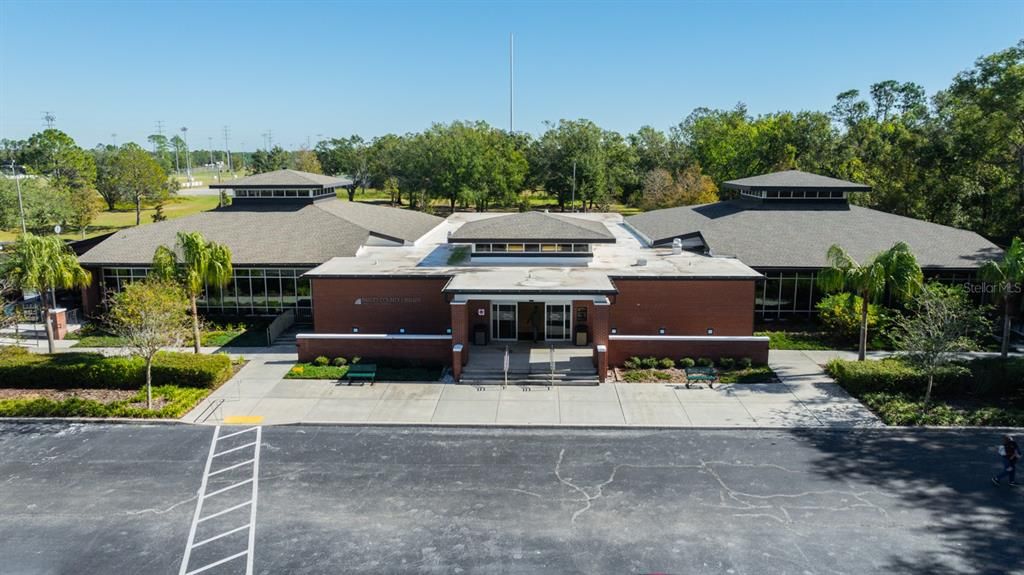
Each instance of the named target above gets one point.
<point>227,493</point>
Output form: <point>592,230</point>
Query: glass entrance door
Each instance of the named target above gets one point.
<point>503,321</point>
<point>557,321</point>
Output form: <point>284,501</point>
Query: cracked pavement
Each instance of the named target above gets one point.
<point>102,498</point>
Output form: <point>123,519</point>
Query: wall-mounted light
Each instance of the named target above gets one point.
<point>661,331</point>
<point>355,329</point>
<point>448,331</point>
<point>401,330</point>
<point>614,331</point>
<point>711,331</point>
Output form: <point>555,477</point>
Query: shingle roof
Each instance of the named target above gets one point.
<point>535,227</point>
<point>270,235</point>
<point>798,236</point>
<point>285,179</point>
<point>794,180</point>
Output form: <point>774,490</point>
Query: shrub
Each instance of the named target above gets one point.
<point>355,359</point>
<point>321,361</point>
<point>645,375</point>
<point>666,363</point>
<point>727,363</point>
<point>649,362</point>
<point>893,375</point>
<point>901,409</point>
<point>704,362</point>
<point>632,363</point>
<point>339,361</point>
<point>190,369</point>
<point>744,363</point>
<point>686,362</point>
<point>92,370</point>
<point>840,314</point>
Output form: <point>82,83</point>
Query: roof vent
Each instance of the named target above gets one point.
<point>641,262</point>
<point>677,246</point>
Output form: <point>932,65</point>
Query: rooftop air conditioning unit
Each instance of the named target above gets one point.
<point>641,262</point>
<point>677,246</point>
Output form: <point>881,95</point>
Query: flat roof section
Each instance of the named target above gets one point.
<point>526,280</point>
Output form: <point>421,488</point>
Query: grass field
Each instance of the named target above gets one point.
<point>208,176</point>
<point>124,216</point>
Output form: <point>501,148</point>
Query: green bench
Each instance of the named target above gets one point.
<point>362,371</point>
<point>706,375</point>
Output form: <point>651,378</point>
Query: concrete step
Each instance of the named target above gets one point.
<point>530,383</point>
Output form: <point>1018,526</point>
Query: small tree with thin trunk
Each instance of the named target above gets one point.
<point>42,264</point>
<point>1008,276</point>
<point>895,270</point>
<point>149,315</point>
<point>941,325</point>
<point>201,264</point>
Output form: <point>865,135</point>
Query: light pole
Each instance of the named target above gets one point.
<point>21,206</point>
<point>188,158</point>
<point>573,205</point>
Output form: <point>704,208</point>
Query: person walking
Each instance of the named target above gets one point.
<point>1010,452</point>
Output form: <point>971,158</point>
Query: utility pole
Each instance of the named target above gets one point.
<point>227,146</point>
<point>511,82</point>
<point>188,157</point>
<point>573,186</point>
<point>49,119</point>
<point>159,132</point>
<point>21,206</point>
<point>209,143</point>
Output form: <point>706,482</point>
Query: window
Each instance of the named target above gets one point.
<point>482,248</point>
<point>581,248</point>
<point>515,247</point>
<point>498,247</point>
<point>533,248</point>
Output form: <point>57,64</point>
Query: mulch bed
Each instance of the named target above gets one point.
<point>100,395</point>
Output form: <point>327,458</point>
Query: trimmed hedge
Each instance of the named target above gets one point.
<point>893,375</point>
<point>21,369</point>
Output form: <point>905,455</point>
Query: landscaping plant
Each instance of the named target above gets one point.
<point>1008,275</point>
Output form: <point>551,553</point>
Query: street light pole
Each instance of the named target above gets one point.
<point>21,205</point>
<point>573,206</point>
<point>188,157</point>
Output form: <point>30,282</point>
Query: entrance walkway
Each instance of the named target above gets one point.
<point>531,363</point>
<point>805,398</point>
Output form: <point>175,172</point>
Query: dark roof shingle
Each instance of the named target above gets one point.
<point>535,227</point>
<point>285,179</point>
<point>791,236</point>
<point>794,180</point>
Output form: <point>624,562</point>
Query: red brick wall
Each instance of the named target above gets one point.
<point>438,351</point>
<point>621,350</point>
<point>683,307</point>
<point>92,294</point>
<point>420,307</point>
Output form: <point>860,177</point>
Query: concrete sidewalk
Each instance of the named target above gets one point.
<point>805,398</point>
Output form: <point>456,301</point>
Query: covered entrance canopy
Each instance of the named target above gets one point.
<point>531,304</point>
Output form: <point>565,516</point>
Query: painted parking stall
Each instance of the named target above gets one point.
<point>223,530</point>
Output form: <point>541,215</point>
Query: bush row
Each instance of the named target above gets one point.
<point>988,377</point>
<point>21,369</point>
<point>669,363</point>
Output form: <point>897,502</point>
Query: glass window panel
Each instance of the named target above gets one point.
<point>482,247</point>
<point>259,294</point>
<point>584,248</point>
<point>786,296</point>
<point>303,290</point>
<point>273,292</point>
<point>227,294</point>
<point>255,273</point>
<point>771,294</point>
<point>288,292</point>
<point>243,291</point>
<point>565,247</point>
<point>498,247</point>
<point>759,295</point>
<point>548,248</point>
<point>533,247</point>
<point>515,247</point>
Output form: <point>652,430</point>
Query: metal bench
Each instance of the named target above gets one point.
<point>698,375</point>
<point>362,371</point>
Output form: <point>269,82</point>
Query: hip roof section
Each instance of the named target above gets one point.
<point>528,227</point>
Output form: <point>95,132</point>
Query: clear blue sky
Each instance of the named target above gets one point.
<point>333,68</point>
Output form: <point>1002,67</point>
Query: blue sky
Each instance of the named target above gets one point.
<point>333,68</point>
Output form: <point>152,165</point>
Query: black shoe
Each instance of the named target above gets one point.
<point>995,481</point>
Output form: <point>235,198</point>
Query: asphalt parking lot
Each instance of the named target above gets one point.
<point>95,498</point>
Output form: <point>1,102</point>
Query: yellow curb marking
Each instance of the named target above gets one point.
<point>243,419</point>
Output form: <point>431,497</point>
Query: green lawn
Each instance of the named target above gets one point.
<point>208,177</point>
<point>253,334</point>
<point>124,216</point>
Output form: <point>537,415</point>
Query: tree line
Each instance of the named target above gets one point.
<point>956,157</point>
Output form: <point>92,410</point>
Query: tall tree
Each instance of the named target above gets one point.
<point>83,206</point>
<point>131,173</point>
<point>563,146</point>
<point>54,154</point>
<point>41,264</point>
<point>1008,276</point>
<point>894,271</point>
<point>149,315</point>
<point>194,263</point>
<point>305,161</point>
<point>268,161</point>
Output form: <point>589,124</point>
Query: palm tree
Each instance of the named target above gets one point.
<point>1008,274</point>
<point>894,270</point>
<point>202,264</point>
<point>41,264</point>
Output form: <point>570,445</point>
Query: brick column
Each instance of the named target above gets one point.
<point>59,319</point>
<point>600,329</point>
<point>460,336</point>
